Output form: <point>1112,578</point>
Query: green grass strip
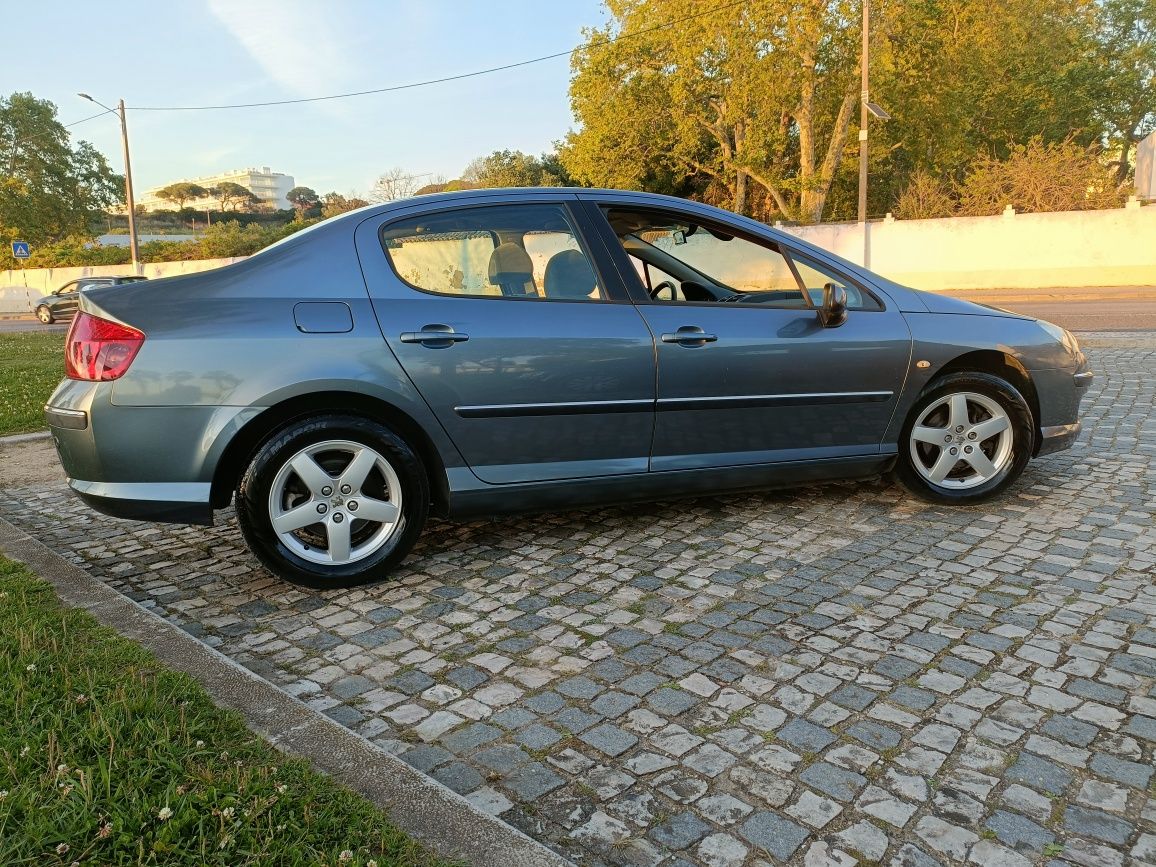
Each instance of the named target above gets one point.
<point>107,757</point>
<point>31,366</point>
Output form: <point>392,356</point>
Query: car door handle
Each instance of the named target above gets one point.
<point>689,335</point>
<point>434,336</point>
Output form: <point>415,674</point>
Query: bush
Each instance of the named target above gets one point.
<point>219,241</point>
<point>1037,178</point>
<point>925,198</point>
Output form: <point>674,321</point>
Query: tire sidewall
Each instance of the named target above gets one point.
<point>253,498</point>
<point>1023,437</point>
<point>44,315</point>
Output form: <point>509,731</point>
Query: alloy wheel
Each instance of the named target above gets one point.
<point>961,441</point>
<point>335,502</point>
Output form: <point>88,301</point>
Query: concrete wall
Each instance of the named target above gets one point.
<point>19,290</point>
<point>1014,251</point>
<point>1075,249</point>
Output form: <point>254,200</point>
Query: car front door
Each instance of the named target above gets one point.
<point>525,345</point>
<point>66,300</point>
<point>746,373</point>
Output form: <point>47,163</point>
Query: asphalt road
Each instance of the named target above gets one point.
<point>1109,315</point>
<point>10,325</point>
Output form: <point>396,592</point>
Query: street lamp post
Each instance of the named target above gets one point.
<point>867,109</point>
<point>132,239</point>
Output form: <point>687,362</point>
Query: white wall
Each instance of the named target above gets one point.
<point>19,290</point>
<point>1074,249</point>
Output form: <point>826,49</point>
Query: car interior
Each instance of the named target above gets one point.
<point>681,261</point>
<point>512,252</point>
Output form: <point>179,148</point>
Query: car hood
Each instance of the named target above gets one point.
<point>937,303</point>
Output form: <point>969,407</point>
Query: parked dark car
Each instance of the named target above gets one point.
<point>62,303</point>
<point>497,350</point>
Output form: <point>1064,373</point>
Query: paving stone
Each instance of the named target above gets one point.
<point>1072,731</point>
<point>723,809</point>
<point>840,784</point>
<point>1094,823</point>
<point>770,831</point>
<point>680,831</point>
<point>671,702</point>
<point>532,781</point>
<point>805,736</point>
<point>813,810</point>
<point>945,838</point>
<point>721,850</point>
<point>609,739</point>
<point>864,839</point>
<point>1017,831</point>
<point>1039,774</point>
<point>1105,796</point>
<point>1129,773</point>
<point>874,735</point>
<point>460,777</point>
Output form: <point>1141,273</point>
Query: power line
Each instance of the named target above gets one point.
<point>445,79</point>
<point>90,117</point>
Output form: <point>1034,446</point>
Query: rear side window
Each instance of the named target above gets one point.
<point>510,251</point>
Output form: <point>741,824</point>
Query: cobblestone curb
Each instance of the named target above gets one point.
<point>420,806</point>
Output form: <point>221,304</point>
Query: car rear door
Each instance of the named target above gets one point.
<point>762,381</point>
<point>518,334</point>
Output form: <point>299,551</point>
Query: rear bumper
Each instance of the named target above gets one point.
<point>176,503</point>
<point>152,463</point>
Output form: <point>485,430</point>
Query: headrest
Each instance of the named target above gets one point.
<point>511,269</point>
<point>568,275</point>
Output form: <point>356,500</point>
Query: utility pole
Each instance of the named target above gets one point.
<point>865,62</point>
<point>134,249</point>
<point>132,240</point>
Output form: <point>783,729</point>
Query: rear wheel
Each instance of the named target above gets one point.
<point>333,502</point>
<point>44,315</point>
<point>966,439</point>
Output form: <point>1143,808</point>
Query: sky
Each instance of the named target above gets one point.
<point>210,52</point>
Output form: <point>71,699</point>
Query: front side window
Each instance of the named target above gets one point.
<point>678,260</point>
<point>512,251</point>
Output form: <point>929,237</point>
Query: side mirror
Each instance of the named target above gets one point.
<point>833,313</point>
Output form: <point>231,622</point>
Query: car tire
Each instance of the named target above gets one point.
<point>979,420</point>
<point>45,315</point>
<point>333,469</point>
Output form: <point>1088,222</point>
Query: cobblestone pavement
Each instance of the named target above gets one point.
<point>826,676</point>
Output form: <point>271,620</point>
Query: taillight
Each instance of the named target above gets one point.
<point>98,350</point>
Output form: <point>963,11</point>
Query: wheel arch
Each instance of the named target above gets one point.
<point>246,442</point>
<point>1006,367</point>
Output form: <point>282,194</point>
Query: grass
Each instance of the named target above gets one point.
<point>31,365</point>
<point>108,758</point>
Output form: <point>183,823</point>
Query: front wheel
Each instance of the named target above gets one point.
<point>333,502</point>
<point>44,315</point>
<point>967,438</point>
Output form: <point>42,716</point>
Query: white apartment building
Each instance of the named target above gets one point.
<point>269,186</point>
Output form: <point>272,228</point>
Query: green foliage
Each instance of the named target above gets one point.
<point>304,201</point>
<point>107,757</point>
<point>1034,178</point>
<point>1038,177</point>
<point>226,239</point>
<point>181,192</point>
<point>230,193</point>
<point>515,169</point>
<point>48,188</point>
<point>31,366</point>
<point>1126,38</point>
<point>333,204</point>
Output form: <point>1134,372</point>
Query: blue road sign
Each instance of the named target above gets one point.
<point>21,250</point>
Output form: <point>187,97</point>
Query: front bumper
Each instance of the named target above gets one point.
<point>1063,393</point>
<point>1057,437</point>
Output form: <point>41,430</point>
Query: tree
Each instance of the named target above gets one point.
<point>181,192</point>
<point>1127,41</point>
<point>515,169</point>
<point>395,184</point>
<point>302,199</point>
<point>231,193</point>
<point>333,204</point>
<point>49,189</point>
<point>760,92</point>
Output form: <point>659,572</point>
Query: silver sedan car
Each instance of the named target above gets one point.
<point>496,350</point>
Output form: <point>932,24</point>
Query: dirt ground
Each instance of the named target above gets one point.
<point>32,462</point>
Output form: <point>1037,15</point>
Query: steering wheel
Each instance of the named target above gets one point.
<point>665,284</point>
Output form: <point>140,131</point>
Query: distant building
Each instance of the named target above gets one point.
<point>269,186</point>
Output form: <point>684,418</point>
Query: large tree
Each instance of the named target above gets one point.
<point>1127,40</point>
<point>49,189</point>
<point>515,169</point>
<point>763,92</point>
<point>303,199</point>
<point>181,192</point>
<point>232,195</point>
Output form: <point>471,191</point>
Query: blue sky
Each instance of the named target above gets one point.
<point>196,52</point>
